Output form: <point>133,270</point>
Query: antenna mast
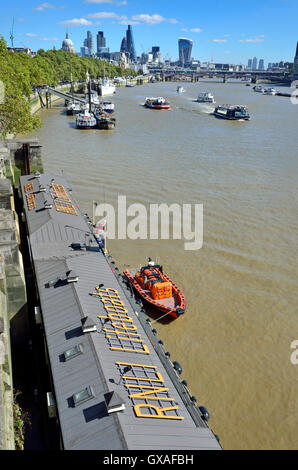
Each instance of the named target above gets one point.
<point>11,32</point>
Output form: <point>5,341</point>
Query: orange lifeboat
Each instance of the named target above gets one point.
<point>157,289</point>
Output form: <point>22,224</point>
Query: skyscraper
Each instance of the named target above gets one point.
<point>261,64</point>
<point>130,47</point>
<point>185,48</point>
<point>249,63</point>
<point>254,63</point>
<point>88,43</point>
<point>101,41</point>
<point>295,71</point>
<point>123,47</point>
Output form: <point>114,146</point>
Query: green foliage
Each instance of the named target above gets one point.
<point>20,73</point>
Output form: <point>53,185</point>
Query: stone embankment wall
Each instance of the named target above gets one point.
<point>13,302</point>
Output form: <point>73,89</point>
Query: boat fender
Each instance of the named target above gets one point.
<point>180,311</point>
<point>205,413</point>
<point>177,367</point>
<point>184,383</point>
<point>193,399</point>
<point>168,354</point>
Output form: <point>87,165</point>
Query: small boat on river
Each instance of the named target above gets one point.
<point>157,103</point>
<point>205,97</point>
<point>232,112</point>
<point>156,289</point>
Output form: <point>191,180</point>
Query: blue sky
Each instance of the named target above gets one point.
<point>223,30</point>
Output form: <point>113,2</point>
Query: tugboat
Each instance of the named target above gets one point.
<point>85,120</point>
<point>205,98</point>
<point>231,112</point>
<point>157,103</point>
<point>157,289</point>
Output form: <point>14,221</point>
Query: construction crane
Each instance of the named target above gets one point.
<point>11,33</point>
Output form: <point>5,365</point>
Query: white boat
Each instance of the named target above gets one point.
<point>94,97</point>
<point>73,108</point>
<point>259,89</point>
<point>107,106</point>
<point>180,89</point>
<point>205,98</point>
<point>85,120</point>
<point>157,103</point>
<point>270,91</point>
<point>106,88</point>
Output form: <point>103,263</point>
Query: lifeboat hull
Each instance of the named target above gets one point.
<point>173,306</point>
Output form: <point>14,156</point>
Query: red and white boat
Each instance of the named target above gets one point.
<point>157,289</point>
<point>157,103</point>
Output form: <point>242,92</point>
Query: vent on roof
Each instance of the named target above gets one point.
<point>72,276</point>
<point>37,174</point>
<point>114,402</point>
<point>82,396</point>
<point>73,352</point>
<point>42,189</point>
<point>88,325</point>
<point>48,205</point>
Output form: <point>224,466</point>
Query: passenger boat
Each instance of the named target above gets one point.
<point>205,98</point>
<point>231,112</point>
<point>180,89</point>
<point>270,91</point>
<point>157,289</point>
<point>258,89</point>
<point>157,103</point>
<point>85,120</point>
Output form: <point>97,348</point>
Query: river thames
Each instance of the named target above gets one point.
<point>234,341</point>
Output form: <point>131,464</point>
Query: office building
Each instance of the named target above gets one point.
<point>254,63</point>
<point>261,64</point>
<point>130,46</point>
<point>185,48</point>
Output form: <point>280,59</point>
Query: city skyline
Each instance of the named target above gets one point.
<point>229,35</point>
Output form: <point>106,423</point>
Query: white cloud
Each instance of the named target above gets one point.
<point>44,6</point>
<point>153,19</point>
<point>219,40</point>
<point>30,35</point>
<point>127,22</point>
<point>76,22</point>
<point>105,15</point>
<point>112,2</point>
<point>192,30</point>
<point>258,39</point>
<point>42,38</point>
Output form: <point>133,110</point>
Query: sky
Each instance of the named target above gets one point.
<point>228,31</point>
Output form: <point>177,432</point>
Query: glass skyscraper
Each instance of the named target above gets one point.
<point>130,47</point>
<point>185,48</point>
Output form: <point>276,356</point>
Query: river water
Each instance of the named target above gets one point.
<point>234,341</point>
